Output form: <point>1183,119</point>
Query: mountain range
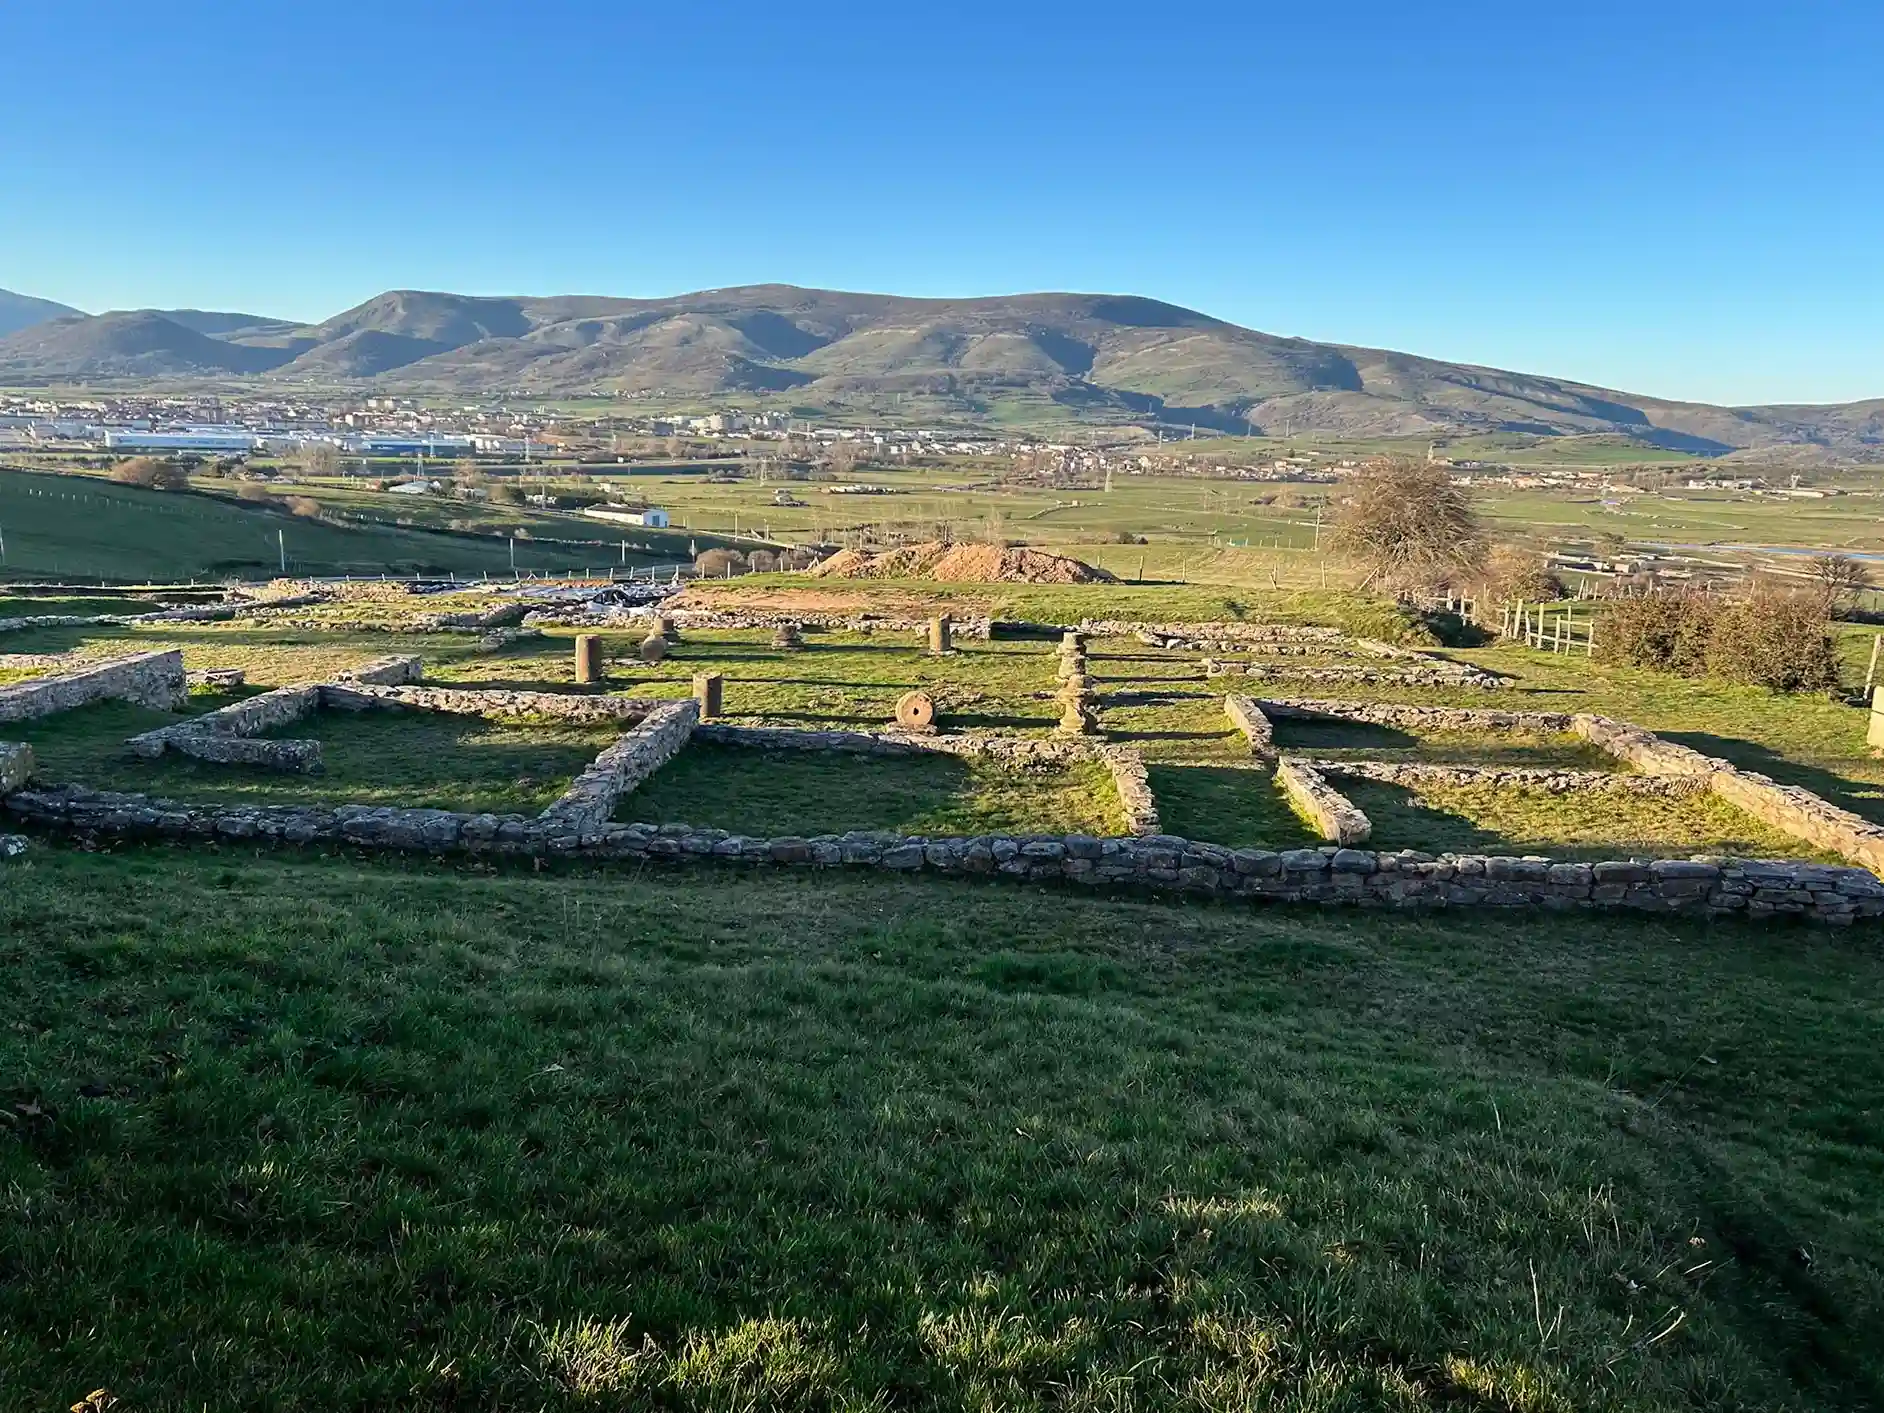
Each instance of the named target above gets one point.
<point>21,311</point>
<point>1100,358</point>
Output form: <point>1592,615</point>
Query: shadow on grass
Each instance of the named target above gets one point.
<point>1292,734</point>
<point>1861,797</point>
<point>1239,806</point>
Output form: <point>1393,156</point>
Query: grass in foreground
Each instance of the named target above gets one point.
<point>297,1133</point>
<point>774,793</point>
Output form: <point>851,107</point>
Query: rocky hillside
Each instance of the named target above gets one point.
<point>1101,357</point>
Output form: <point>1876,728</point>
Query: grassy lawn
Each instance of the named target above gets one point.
<point>1359,740</point>
<point>773,793</point>
<point>373,758</point>
<point>1509,819</point>
<point>301,1134</point>
<point>1240,806</point>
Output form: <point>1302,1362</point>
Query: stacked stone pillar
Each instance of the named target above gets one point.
<point>1078,708</point>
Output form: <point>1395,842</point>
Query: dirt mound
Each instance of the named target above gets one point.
<point>961,564</point>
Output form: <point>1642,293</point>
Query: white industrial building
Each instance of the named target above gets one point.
<point>650,519</point>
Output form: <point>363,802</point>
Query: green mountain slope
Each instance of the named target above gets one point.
<point>1104,357</point>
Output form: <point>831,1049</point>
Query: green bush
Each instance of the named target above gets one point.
<point>1768,638</point>
<point>1777,640</point>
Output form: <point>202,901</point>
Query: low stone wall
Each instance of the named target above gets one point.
<point>1248,718</point>
<point>62,620</point>
<point>1331,812</point>
<point>1124,764</point>
<point>1556,782</point>
<point>1206,637</point>
<point>1420,718</point>
<point>1797,811</point>
<point>300,757</point>
<point>1016,750</point>
<point>464,701</point>
<point>223,735</point>
<point>589,803</point>
<point>503,615</point>
<point>1160,863</point>
<point>1437,675</point>
<point>399,670</point>
<point>149,679</point>
<point>16,765</point>
<point>502,638</point>
<point>1134,787</point>
<point>742,620</point>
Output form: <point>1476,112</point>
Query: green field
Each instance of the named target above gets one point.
<point>88,528</point>
<point>303,1134</point>
<point>315,1130</point>
<point>777,793</point>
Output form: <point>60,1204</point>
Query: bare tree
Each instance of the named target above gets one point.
<point>1839,578</point>
<point>844,457</point>
<point>1408,524</point>
<point>319,459</point>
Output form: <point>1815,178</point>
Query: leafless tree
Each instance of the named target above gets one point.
<point>319,459</point>
<point>1839,578</point>
<point>1408,524</point>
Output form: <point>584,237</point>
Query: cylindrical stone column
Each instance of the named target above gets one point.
<point>709,691</point>
<point>939,634</point>
<point>588,658</point>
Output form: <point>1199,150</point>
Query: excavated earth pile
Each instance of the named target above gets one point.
<point>961,564</point>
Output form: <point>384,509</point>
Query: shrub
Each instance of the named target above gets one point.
<point>762,561</point>
<point>716,563</point>
<point>304,506</point>
<point>151,473</point>
<point>1767,638</point>
<point>1515,573</point>
<point>255,494</point>
<point>1775,639</point>
<point>1668,632</point>
<point>508,493</point>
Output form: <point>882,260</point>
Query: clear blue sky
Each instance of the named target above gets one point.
<point>1676,198</point>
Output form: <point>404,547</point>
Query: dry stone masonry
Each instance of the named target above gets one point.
<point>1435,673</point>
<point>149,679</point>
<point>225,736</point>
<point>1248,718</point>
<point>1819,893</point>
<point>1552,781</point>
<point>1334,816</point>
<point>399,670</point>
<point>581,822</point>
<point>1790,808</point>
<point>590,802</point>
<point>16,766</point>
